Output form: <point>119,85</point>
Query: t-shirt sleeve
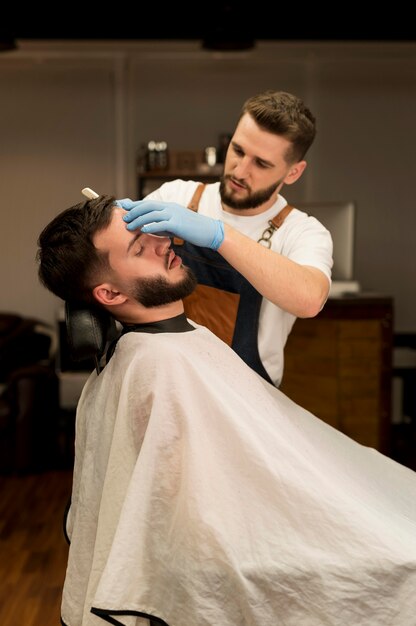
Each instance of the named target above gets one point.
<point>310,245</point>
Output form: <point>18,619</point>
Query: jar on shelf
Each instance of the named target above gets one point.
<point>157,155</point>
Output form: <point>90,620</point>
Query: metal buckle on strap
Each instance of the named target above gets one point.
<point>265,239</point>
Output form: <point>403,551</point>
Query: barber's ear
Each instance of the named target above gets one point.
<point>108,296</point>
<point>295,173</point>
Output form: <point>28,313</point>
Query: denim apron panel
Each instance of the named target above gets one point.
<point>225,302</point>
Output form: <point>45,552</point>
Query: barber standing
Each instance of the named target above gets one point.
<point>260,263</point>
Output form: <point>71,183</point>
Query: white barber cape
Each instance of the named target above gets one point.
<point>203,496</point>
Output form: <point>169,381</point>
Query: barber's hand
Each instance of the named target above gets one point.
<point>156,217</point>
<point>124,201</point>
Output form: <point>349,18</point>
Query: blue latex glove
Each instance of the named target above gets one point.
<point>168,217</point>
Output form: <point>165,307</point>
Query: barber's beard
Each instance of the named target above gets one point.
<point>252,200</point>
<point>158,291</point>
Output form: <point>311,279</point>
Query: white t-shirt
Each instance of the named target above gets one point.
<point>301,238</point>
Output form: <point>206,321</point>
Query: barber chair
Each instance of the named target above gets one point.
<point>85,336</point>
<point>90,332</point>
<point>29,403</point>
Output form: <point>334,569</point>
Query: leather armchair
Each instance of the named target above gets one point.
<point>29,396</point>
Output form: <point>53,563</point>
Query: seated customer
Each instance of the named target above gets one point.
<point>202,495</point>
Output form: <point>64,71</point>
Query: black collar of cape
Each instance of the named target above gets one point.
<point>177,324</point>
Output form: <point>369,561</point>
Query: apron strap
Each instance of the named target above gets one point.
<point>274,224</point>
<point>194,203</point>
<point>281,216</point>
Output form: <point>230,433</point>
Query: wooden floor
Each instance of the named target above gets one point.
<point>33,550</point>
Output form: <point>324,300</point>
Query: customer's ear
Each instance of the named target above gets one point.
<point>107,295</point>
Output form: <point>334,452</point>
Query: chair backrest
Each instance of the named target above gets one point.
<point>90,332</point>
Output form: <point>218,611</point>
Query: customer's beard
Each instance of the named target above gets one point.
<point>252,201</point>
<point>158,291</point>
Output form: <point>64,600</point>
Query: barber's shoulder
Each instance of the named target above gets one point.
<point>302,231</point>
<point>301,217</point>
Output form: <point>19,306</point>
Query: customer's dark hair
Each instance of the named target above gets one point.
<point>284,114</point>
<point>69,264</point>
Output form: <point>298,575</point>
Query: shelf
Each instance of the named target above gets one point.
<point>184,165</point>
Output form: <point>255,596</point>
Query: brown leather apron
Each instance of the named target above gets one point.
<point>224,300</point>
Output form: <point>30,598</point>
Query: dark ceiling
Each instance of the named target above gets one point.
<point>221,23</point>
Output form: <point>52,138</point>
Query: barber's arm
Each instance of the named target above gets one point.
<point>300,289</point>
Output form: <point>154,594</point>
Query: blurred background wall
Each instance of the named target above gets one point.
<point>74,114</point>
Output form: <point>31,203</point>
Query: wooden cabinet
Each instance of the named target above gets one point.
<point>338,365</point>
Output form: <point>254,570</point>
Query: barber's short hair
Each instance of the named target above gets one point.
<point>70,266</point>
<point>284,114</point>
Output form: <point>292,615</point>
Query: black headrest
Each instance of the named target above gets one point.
<point>89,331</point>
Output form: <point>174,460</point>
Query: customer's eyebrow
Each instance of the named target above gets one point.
<point>134,239</point>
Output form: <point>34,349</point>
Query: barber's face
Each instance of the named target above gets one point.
<point>255,167</point>
<point>144,266</point>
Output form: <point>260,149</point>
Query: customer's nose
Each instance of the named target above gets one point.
<point>161,245</point>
